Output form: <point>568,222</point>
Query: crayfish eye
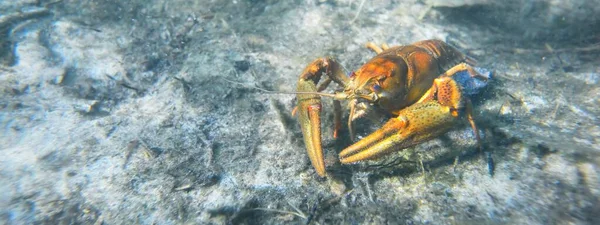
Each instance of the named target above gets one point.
<point>377,88</point>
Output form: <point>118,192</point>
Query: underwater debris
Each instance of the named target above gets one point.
<point>11,22</point>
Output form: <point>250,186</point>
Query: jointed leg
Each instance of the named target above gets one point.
<point>487,154</point>
<point>350,128</point>
<point>323,85</point>
<point>375,48</point>
<point>337,117</point>
<point>471,118</point>
<point>463,67</point>
<point>385,46</point>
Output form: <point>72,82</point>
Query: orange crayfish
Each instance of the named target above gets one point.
<point>412,83</point>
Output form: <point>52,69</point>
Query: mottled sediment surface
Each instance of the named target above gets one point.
<point>142,112</point>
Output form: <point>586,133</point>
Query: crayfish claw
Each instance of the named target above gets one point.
<point>415,124</point>
<point>309,116</point>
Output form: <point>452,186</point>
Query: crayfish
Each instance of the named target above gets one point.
<point>414,84</point>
